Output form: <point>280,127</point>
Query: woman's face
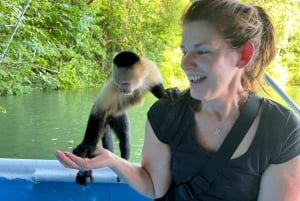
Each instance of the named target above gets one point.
<point>208,61</point>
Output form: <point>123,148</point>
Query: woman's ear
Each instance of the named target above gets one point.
<point>247,52</point>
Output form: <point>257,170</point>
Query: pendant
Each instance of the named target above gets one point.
<point>217,131</point>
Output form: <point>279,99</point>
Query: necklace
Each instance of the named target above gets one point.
<point>218,130</point>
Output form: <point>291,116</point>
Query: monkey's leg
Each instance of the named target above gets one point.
<point>158,90</point>
<point>120,125</point>
<point>107,140</point>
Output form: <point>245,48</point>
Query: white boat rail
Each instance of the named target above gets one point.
<point>282,94</point>
<point>38,170</point>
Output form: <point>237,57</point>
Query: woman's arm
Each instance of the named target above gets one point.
<point>281,182</point>
<point>156,159</point>
<point>152,179</point>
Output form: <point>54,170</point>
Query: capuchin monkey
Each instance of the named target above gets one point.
<point>132,77</point>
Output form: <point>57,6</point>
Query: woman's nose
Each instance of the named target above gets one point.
<point>189,60</point>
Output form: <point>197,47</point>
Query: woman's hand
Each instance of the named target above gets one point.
<point>102,158</point>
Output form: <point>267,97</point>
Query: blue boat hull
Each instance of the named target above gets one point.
<point>47,180</point>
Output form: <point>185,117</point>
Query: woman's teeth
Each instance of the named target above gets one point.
<point>195,78</point>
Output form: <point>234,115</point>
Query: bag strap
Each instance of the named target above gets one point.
<point>199,184</point>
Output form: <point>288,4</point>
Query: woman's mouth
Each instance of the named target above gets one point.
<point>196,78</point>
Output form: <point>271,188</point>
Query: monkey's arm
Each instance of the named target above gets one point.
<point>88,145</point>
<point>158,90</point>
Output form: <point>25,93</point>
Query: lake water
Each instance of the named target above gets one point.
<point>37,124</point>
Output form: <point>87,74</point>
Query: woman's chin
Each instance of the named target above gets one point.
<point>196,95</point>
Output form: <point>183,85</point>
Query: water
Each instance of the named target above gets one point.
<point>21,190</point>
<point>38,124</point>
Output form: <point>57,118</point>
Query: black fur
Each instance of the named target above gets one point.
<point>121,127</point>
<point>125,59</point>
<point>158,91</point>
<point>87,147</point>
<point>82,176</point>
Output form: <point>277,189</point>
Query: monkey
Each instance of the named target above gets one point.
<point>132,77</point>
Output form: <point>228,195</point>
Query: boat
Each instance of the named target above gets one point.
<point>48,180</point>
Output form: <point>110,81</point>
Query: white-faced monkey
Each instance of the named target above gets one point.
<point>131,78</point>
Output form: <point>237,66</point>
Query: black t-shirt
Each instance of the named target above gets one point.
<point>277,140</point>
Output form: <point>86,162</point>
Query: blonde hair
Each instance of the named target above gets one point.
<point>239,23</point>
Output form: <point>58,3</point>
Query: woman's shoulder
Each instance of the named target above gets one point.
<point>278,113</point>
<point>282,129</point>
<point>173,99</point>
<point>166,113</point>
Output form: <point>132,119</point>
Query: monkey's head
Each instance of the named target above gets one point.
<point>128,72</point>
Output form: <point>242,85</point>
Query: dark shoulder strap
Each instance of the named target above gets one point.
<point>233,139</point>
<point>201,183</point>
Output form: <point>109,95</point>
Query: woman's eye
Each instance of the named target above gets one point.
<point>199,52</point>
<point>203,52</point>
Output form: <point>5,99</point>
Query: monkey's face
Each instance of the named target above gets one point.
<point>128,79</point>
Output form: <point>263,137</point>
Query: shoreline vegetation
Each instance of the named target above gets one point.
<point>71,47</point>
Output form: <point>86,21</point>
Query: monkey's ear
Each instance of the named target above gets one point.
<point>247,52</point>
<point>125,58</point>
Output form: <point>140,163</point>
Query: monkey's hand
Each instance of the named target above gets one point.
<point>172,93</point>
<point>84,150</point>
<point>83,176</point>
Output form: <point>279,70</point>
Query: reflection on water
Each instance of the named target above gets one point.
<point>38,124</point>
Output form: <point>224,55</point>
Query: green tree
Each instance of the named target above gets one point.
<point>69,44</point>
<point>286,68</point>
<point>72,45</point>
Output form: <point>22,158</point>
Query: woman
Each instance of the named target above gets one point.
<point>226,47</point>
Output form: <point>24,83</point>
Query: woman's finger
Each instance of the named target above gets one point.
<point>65,160</point>
<point>81,163</point>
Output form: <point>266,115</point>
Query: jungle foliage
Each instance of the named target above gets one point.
<point>69,44</point>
